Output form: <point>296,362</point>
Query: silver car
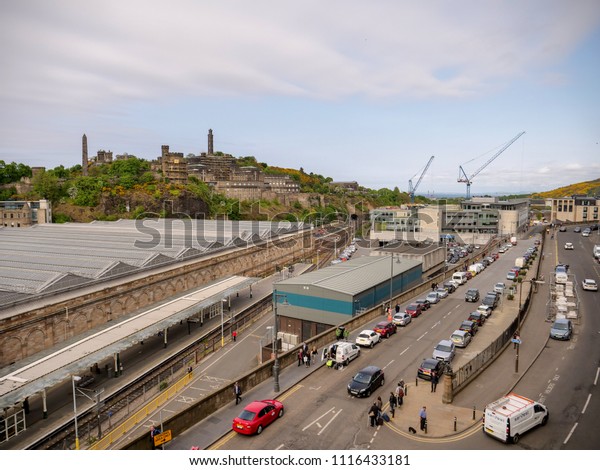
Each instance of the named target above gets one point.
<point>402,319</point>
<point>445,351</point>
<point>433,297</point>
<point>460,338</point>
<point>561,329</point>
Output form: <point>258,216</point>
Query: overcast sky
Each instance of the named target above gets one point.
<point>361,91</point>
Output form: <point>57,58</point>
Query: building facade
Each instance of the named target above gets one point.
<point>25,213</point>
<point>577,208</point>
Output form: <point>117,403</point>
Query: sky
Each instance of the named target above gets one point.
<point>362,91</point>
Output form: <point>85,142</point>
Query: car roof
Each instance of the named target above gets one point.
<point>383,323</point>
<point>459,333</point>
<point>368,332</point>
<point>562,320</point>
<point>369,370</point>
<point>589,281</point>
<point>431,360</point>
<point>257,405</point>
<point>445,342</point>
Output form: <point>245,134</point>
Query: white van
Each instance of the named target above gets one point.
<point>344,352</point>
<point>461,277</point>
<point>509,417</point>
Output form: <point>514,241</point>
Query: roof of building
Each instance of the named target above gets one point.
<point>353,276</point>
<point>45,258</point>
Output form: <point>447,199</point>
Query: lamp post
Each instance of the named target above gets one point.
<point>222,333</point>
<point>75,378</point>
<point>275,346</point>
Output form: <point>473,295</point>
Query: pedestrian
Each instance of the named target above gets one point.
<point>516,339</point>
<point>153,432</point>
<point>237,390</point>
<point>423,418</point>
<point>400,393</point>
<point>434,381</point>
<point>393,403</point>
<point>314,354</point>
<point>373,414</point>
<point>300,358</point>
<point>379,403</point>
<point>234,335</point>
<point>189,370</point>
<point>433,286</point>
<point>397,308</point>
<point>307,359</point>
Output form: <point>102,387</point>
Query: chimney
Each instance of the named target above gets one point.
<point>84,155</point>
<point>210,142</point>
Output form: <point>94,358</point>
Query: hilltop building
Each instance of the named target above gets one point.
<point>577,208</point>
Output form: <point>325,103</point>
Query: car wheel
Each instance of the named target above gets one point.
<point>387,335</point>
<point>515,438</point>
<point>544,420</point>
<point>372,344</point>
<point>368,392</point>
<point>382,382</point>
<point>280,413</point>
<point>346,362</point>
<point>259,429</point>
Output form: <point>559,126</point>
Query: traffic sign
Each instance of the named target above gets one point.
<point>163,437</point>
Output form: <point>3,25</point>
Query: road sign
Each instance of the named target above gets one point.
<point>163,437</point>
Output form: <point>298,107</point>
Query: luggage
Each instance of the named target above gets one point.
<point>379,421</point>
<point>386,417</point>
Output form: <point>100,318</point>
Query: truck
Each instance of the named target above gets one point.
<point>520,262</point>
<point>513,240</point>
<point>509,417</point>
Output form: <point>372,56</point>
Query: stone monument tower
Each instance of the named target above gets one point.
<point>210,143</point>
<point>84,155</point>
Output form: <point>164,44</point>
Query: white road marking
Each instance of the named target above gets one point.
<point>324,414</point>
<point>436,324</point>
<point>409,348</point>
<point>329,422</point>
<point>422,336</point>
<point>587,402</point>
<point>596,379</point>
<point>388,363</point>
<point>569,436</point>
<point>279,447</point>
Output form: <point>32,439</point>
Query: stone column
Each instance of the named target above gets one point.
<point>448,394</point>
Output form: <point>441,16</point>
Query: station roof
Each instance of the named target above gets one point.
<point>50,368</point>
<point>47,258</point>
<point>353,276</point>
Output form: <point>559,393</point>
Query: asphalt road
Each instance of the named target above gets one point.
<point>321,415</point>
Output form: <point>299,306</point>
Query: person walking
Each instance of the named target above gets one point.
<point>423,418</point>
<point>434,381</point>
<point>373,414</point>
<point>393,403</point>
<point>379,403</point>
<point>400,393</point>
<point>237,390</point>
<point>234,335</point>
<point>300,356</point>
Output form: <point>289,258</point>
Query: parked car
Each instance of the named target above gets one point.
<point>430,365</point>
<point>402,319</point>
<point>477,317</point>
<point>442,293</point>
<point>469,326</point>
<point>461,338</point>
<point>366,381</point>
<point>414,310</point>
<point>469,274</point>
<point>368,338</point>
<point>450,286</point>
<point>257,415</point>
<point>562,229</point>
<point>385,328</point>
<point>472,295</point>
<point>424,303</point>
<point>511,276</point>
<point>485,310</point>
<point>491,301</point>
<point>432,298</point>
<point>562,328</point>
<point>445,351</point>
<point>500,287</point>
<point>589,284</point>
<point>577,229</point>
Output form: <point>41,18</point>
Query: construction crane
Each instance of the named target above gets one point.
<point>411,188</point>
<point>462,176</point>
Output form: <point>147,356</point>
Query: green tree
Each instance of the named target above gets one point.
<point>86,191</point>
<point>46,186</point>
<point>13,172</point>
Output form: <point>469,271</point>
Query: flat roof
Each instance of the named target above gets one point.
<point>353,276</point>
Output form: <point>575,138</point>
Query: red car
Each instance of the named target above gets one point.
<point>414,310</point>
<point>257,415</point>
<point>385,329</point>
<point>469,274</point>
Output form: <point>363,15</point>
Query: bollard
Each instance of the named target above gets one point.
<point>417,382</point>
<point>473,412</point>
<point>455,424</point>
<point>405,390</point>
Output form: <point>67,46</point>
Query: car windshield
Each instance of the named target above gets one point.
<point>457,337</point>
<point>560,269</point>
<point>362,378</point>
<point>560,326</point>
<point>247,415</point>
<point>443,347</point>
<point>412,306</point>
<point>471,291</point>
<point>363,335</point>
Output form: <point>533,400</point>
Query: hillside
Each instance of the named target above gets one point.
<point>588,188</point>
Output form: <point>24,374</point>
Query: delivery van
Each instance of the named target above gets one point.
<point>513,240</point>
<point>343,352</point>
<point>509,417</point>
<point>520,262</point>
<point>460,277</point>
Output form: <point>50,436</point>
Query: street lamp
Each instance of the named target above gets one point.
<point>222,333</point>
<point>275,346</point>
<point>75,378</point>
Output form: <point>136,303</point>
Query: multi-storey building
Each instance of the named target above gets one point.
<point>25,213</point>
<point>577,208</point>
